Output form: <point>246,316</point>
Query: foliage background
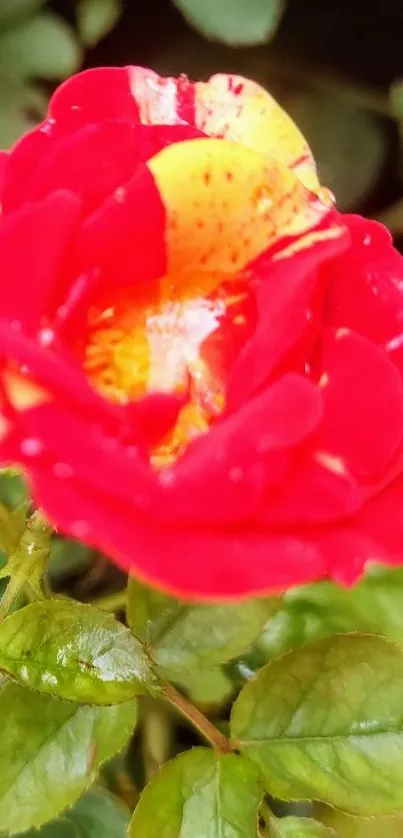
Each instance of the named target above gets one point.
<point>337,66</point>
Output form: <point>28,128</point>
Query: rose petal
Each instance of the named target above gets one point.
<point>131,223</point>
<point>226,204</point>
<point>161,100</point>
<point>238,109</point>
<point>91,163</point>
<point>4,158</point>
<point>199,563</point>
<point>315,492</point>
<point>287,295</point>
<point>95,95</point>
<point>22,165</point>
<point>33,249</point>
<point>362,393</point>
<point>365,290</point>
<point>225,474</point>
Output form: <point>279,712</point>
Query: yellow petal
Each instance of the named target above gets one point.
<point>239,109</point>
<point>226,204</point>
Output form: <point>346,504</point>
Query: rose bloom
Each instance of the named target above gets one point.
<point>200,359</point>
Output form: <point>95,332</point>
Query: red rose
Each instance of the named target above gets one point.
<point>201,361</point>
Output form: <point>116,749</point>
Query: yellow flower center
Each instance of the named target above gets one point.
<point>136,347</point>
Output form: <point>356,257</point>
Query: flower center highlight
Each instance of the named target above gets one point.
<point>183,345</point>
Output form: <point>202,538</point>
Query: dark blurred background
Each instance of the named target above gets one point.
<point>336,65</point>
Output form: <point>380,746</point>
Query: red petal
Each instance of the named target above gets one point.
<point>130,224</point>
<point>313,493</point>
<point>4,158</point>
<point>92,96</point>
<point>366,287</point>
<point>285,292</point>
<point>362,394</point>
<point>192,563</point>
<point>91,163</point>
<point>223,476</point>
<point>23,162</point>
<point>33,245</point>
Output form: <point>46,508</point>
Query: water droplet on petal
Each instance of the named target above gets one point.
<point>16,325</point>
<point>63,470</point>
<point>47,126</point>
<point>46,337</point>
<point>367,240</point>
<point>120,194</point>
<point>31,447</point>
<point>166,477</point>
<point>235,474</point>
<point>80,529</point>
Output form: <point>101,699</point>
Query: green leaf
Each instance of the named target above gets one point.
<point>182,636</point>
<point>234,22</point>
<point>50,752</point>
<point>200,793</point>
<point>96,18</point>
<point>43,46</point>
<point>99,815</point>
<point>60,828</point>
<point>325,722</point>
<point>349,143</point>
<point>349,827</point>
<point>74,651</point>
<point>291,827</point>
<point>12,11</point>
<point>374,605</point>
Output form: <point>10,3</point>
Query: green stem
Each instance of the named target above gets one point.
<point>197,720</point>
<point>156,735</point>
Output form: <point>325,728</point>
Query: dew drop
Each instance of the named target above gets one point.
<point>166,477</point>
<point>63,470</point>
<point>16,325</point>
<point>120,194</point>
<point>46,337</point>
<point>235,474</point>
<point>31,447</point>
<point>48,678</point>
<point>367,240</point>
<point>80,529</point>
<point>47,127</point>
